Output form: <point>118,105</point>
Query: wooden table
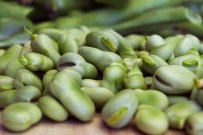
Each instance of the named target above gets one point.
<point>75,127</point>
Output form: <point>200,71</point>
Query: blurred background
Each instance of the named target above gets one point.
<point>164,17</point>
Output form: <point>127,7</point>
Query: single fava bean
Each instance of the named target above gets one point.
<point>52,108</point>
<point>151,120</point>
<point>68,92</point>
<point>152,97</point>
<point>173,79</point>
<point>119,110</point>
<point>20,116</point>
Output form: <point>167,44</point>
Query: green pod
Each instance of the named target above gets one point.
<point>113,77</point>
<point>90,83</point>
<point>135,79</point>
<point>93,55</point>
<point>173,79</point>
<point>152,97</point>
<point>151,63</point>
<point>119,110</point>
<point>76,62</point>
<point>11,53</point>
<point>151,120</point>
<point>68,92</point>
<point>47,79</point>
<point>164,51</point>
<point>18,38</point>
<point>52,109</point>
<point>99,95</point>
<point>154,41</point>
<point>12,67</point>
<point>159,16</point>
<point>25,77</point>
<point>178,113</point>
<point>102,40</point>
<point>173,99</point>
<point>13,10</point>
<point>35,61</point>
<point>6,83</point>
<point>137,42</point>
<point>187,43</point>
<point>12,26</point>
<point>190,61</point>
<point>115,3</point>
<point>194,123</point>
<point>20,116</point>
<point>45,45</point>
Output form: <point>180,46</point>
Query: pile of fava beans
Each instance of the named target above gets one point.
<point>153,82</point>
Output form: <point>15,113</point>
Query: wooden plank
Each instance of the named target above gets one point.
<point>75,127</point>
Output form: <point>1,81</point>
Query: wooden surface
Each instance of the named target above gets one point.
<point>75,127</point>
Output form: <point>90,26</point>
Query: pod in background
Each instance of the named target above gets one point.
<point>52,109</point>
<point>194,123</point>
<point>119,110</point>
<point>173,79</point>
<point>152,97</point>
<point>178,113</point>
<point>99,95</point>
<point>151,120</point>
<point>68,92</point>
<point>20,116</point>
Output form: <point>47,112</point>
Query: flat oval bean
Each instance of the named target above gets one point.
<point>119,110</point>
<point>52,108</point>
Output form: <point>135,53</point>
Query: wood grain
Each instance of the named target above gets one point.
<point>75,127</point>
